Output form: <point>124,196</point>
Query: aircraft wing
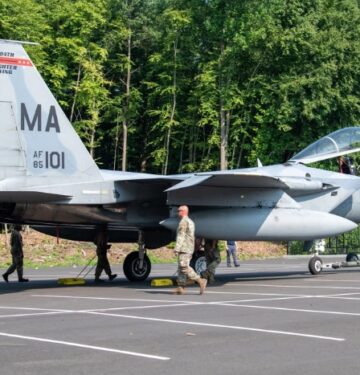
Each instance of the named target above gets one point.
<point>231,179</point>
<point>234,179</point>
<point>231,189</point>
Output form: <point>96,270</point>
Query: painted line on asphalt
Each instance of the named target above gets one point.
<point>295,286</point>
<point>193,291</point>
<point>240,328</point>
<point>290,309</point>
<point>342,298</point>
<point>263,299</point>
<point>33,309</point>
<point>111,299</point>
<point>83,346</point>
<point>136,307</point>
<point>333,280</point>
<point>30,314</point>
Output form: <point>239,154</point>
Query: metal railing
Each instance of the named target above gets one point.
<point>343,244</point>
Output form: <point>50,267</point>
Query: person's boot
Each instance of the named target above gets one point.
<point>112,277</point>
<point>20,277</point>
<point>180,290</point>
<point>5,277</point>
<point>202,283</point>
<point>205,275</point>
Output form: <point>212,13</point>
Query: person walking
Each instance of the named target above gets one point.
<point>102,246</point>
<point>185,241</point>
<point>213,259</point>
<point>231,253</point>
<point>16,243</point>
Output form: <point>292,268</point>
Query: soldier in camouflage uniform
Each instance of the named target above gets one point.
<point>17,254</point>
<point>213,259</point>
<point>102,246</point>
<point>185,239</point>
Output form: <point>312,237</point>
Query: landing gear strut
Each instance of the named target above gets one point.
<point>137,265</point>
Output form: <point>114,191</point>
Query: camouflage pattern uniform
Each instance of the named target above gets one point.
<point>185,240</point>
<point>101,252</point>
<point>17,254</point>
<point>213,259</point>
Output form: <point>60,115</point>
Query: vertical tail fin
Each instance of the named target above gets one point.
<point>36,138</point>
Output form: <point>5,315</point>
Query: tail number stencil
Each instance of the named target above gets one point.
<point>49,160</point>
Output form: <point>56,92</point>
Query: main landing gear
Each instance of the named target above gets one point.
<point>137,265</point>
<point>198,262</point>
<point>316,264</point>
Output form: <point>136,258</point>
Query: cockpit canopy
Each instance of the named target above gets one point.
<point>341,142</point>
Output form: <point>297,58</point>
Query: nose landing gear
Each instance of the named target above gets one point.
<point>316,264</point>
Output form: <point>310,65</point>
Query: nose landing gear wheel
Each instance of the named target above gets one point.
<point>132,269</point>
<point>315,265</point>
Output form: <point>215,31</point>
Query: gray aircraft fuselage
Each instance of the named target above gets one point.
<point>314,204</point>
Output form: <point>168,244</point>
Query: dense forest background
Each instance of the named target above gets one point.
<point>172,86</point>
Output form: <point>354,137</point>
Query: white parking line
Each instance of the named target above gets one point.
<point>290,309</point>
<point>30,314</point>
<point>294,286</point>
<point>263,299</point>
<point>111,299</point>
<point>201,324</point>
<point>32,309</point>
<point>196,292</point>
<point>135,307</point>
<point>100,348</point>
<point>333,280</point>
<point>342,298</point>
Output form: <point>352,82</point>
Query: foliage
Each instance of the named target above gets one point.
<point>167,86</point>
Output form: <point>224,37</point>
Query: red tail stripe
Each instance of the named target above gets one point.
<point>18,61</point>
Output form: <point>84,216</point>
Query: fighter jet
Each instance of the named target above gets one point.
<point>49,180</point>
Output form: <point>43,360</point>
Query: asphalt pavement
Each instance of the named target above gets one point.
<point>267,317</point>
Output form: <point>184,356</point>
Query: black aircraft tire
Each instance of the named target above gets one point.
<point>315,265</point>
<point>352,257</point>
<point>131,267</point>
<point>198,262</point>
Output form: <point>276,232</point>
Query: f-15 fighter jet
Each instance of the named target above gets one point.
<point>49,180</point>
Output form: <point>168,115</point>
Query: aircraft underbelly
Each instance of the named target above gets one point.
<point>129,216</point>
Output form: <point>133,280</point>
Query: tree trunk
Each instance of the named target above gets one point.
<point>92,143</point>
<point>173,108</point>
<point>127,104</point>
<point>116,143</point>
<point>223,137</point>
<point>75,94</point>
